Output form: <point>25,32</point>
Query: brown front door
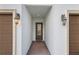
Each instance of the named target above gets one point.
<point>5,34</point>
<point>73,34</point>
<point>39,31</point>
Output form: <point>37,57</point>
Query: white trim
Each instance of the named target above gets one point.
<point>67,26</point>
<point>13,11</point>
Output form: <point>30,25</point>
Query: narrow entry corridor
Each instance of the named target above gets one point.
<point>38,48</point>
<point>38,14</point>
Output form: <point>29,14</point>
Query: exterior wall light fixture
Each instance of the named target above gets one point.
<point>17,18</point>
<point>63,19</point>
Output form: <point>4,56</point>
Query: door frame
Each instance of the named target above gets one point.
<point>13,12</point>
<point>67,29</point>
<point>41,30</point>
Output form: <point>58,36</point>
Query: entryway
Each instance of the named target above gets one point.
<point>38,15</point>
